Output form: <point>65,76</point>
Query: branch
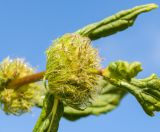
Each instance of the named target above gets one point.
<point>26,80</point>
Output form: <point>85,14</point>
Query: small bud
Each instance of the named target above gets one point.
<point>71,66</point>
<point>17,100</point>
<point>122,70</point>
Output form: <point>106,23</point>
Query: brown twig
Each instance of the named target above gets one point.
<point>34,78</point>
<point>26,80</point>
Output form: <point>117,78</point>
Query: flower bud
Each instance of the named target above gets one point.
<point>17,100</point>
<point>71,66</point>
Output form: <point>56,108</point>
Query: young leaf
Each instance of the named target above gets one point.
<point>113,24</point>
<point>51,114</point>
<point>146,91</point>
<point>122,70</point>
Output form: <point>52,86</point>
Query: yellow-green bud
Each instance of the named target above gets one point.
<point>71,66</point>
<point>20,99</point>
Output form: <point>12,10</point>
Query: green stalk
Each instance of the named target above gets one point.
<point>50,116</point>
<point>54,111</point>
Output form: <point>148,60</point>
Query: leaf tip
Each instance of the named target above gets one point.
<point>152,6</point>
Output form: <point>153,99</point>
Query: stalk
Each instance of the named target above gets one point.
<point>50,116</point>
<point>35,78</point>
<point>26,80</point>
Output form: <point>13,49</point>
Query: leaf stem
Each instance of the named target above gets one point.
<point>50,116</point>
<point>35,78</point>
<point>54,111</point>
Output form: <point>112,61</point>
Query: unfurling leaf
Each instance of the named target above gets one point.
<point>122,70</point>
<point>113,24</point>
<point>146,91</point>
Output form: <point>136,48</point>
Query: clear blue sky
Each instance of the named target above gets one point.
<point>27,28</point>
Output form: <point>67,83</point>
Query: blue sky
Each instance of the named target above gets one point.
<point>28,27</point>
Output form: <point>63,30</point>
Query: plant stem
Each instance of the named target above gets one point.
<point>34,78</point>
<point>42,122</point>
<point>26,80</point>
<point>50,116</point>
<point>53,115</point>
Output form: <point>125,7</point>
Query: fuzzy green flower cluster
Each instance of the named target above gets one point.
<point>72,64</point>
<point>16,100</point>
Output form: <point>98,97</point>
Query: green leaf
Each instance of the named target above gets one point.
<point>122,70</point>
<point>50,116</point>
<point>146,91</point>
<point>108,100</point>
<point>113,24</point>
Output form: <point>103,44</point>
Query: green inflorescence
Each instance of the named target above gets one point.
<point>72,64</point>
<point>17,100</point>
